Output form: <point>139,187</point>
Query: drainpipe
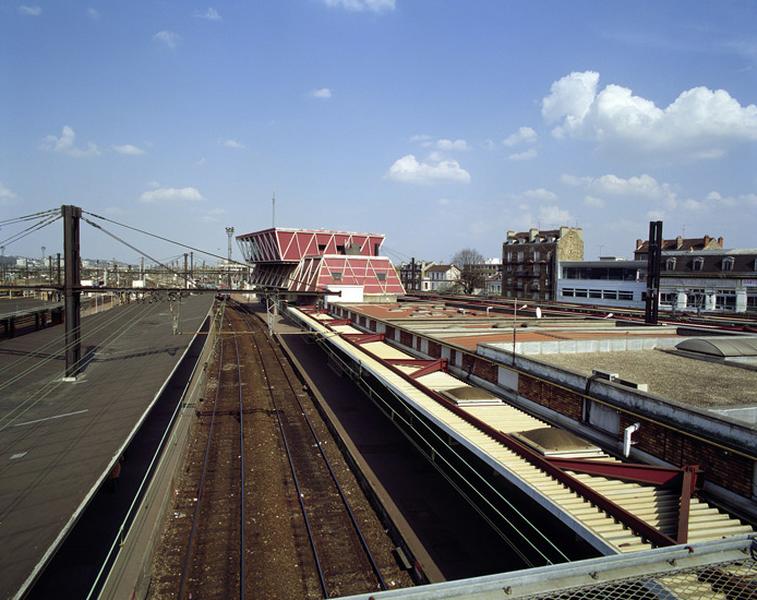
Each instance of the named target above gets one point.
<point>627,442</point>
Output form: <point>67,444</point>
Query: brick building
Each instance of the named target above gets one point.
<point>679,244</point>
<point>530,260</point>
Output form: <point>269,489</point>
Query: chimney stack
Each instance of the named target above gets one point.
<point>721,241</point>
<point>679,242</point>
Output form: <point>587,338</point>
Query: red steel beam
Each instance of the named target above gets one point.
<point>362,338</point>
<point>437,365</point>
<point>688,485</point>
<point>624,471</point>
<point>637,525</point>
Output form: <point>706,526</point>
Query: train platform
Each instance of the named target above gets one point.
<point>60,440</point>
<point>613,506</point>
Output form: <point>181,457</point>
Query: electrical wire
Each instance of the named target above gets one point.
<point>165,239</point>
<point>99,327</point>
<point>29,217</point>
<point>29,230</point>
<point>52,384</point>
<point>125,243</point>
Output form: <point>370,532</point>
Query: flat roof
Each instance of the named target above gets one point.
<point>684,380</point>
<point>57,438</point>
<point>573,343</point>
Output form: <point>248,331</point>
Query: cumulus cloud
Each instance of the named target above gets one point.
<point>376,6</point>
<point>29,11</point>
<point>6,194</point>
<point>524,135</point>
<point>553,216</point>
<point>594,202</point>
<point>170,194</point>
<point>442,144</point>
<point>699,123</point>
<point>169,38</point>
<point>409,170</point>
<point>232,143</point>
<point>211,14</point>
<point>93,13</point>
<point>730,201</point>
<point>448,145</point>
<point>212,216</point>
<point>540,194</point>
<point>641,186</point>
<point>529,154</point>
<point>128,150</point>
<point>66,144</point>
<point>323,93</point>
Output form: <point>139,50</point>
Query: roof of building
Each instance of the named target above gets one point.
<point>302,230</point>
<point>680,243</point>
<point>440,268</point>
<point>58,451</point>
<point>678,378</point>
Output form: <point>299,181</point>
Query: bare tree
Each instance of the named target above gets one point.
<point>470,262</point>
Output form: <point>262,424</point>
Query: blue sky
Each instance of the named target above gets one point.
<point>439,123</point>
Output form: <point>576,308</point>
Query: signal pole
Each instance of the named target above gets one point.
<point>230,234</point>
<point>71,294</point>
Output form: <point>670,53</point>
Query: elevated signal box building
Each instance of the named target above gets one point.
<point>344,266</point>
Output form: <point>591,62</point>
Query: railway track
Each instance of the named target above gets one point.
<point>262,510</point>
<point>214,556</point>
<point>341,556</point>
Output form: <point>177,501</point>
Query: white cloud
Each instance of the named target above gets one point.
<point>550,216</point>
<point>169,38</point>
<point>408,170</point>
<point>540,194</point>
<point>7,195</point>
<point>231,143</point>
<point>730,201</point>
<point>212,216</point>
<point>201,162</point>
<point>323,93</point>
<point>211,14</point>
<point>656,215</point>
<point>594,202</point>
<point>128,150</point>
<point>93,14</point>
<point>698,123</point>
<point>446,145</point>
<point>376,6</point>
<point>529,154</point>
<point>66,144</point>
<point>169,194</point>
<point>489,144</point>
<point>641,186</point>
<point>441,144</point>
<point>420,138</point>
<point>29,11</point>
<point>524,135</point>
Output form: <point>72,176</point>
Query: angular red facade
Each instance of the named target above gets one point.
<point>307,260</point>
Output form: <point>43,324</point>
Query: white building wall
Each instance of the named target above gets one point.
<point>607,287</point>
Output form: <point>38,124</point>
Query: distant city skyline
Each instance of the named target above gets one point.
<point>440,124</point>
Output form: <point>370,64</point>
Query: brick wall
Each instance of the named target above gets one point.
<point>563,401</point>
<point>732,471</point>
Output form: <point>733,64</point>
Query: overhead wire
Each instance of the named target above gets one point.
<point>53,383</point>
<point>125,243</point>
<point>29,217</point>
<point>165,239</point>
<point>29,230</point>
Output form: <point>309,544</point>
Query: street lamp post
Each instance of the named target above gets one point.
<point>515,323</point>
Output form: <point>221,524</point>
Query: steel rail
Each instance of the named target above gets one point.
<point>201,486</point>
<point>295,479</point>
<point>342,495</point>
<point>241,473</point>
